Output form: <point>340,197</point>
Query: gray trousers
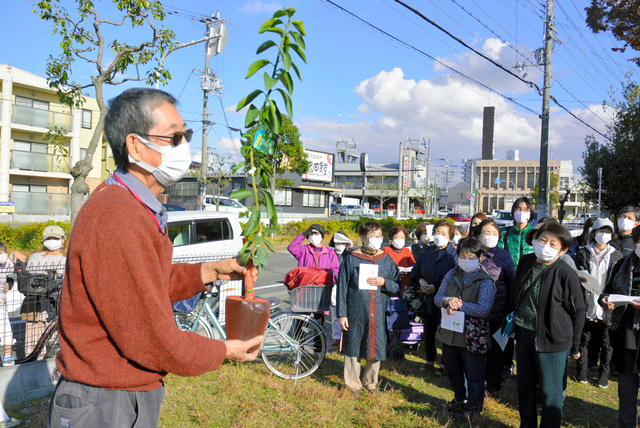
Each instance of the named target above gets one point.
<point>75,404</point>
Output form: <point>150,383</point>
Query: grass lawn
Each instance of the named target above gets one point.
<point>249,395</point>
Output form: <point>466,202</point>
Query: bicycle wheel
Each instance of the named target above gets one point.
<point>185,322</point>
<point>47,345</point>
<point>294,346</point>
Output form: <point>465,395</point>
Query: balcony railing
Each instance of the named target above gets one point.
<point>40,203</point>
<point>44,162</point>
<point>23,115</point>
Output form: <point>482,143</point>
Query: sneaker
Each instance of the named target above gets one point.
<point>460,416</point>
<point>441,372</point>
<point>335,343</point>
<point>426,366</point>
<point>8,361</point>
<point>603,381</point>
<point>582,376</point>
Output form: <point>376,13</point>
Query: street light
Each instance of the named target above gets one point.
<point>514,190</point>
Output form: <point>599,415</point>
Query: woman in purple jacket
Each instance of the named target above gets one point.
<point>314,254</point>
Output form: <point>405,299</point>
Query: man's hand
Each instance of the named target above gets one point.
<point>239,350</point>
<point>575,356</point>
<point>377,281</point>
<point>636,304</point>
<point>344,323</point>
<point>605,304</point>
<point>426,288</point>
<point>454,303</point>
<point>227,269</point>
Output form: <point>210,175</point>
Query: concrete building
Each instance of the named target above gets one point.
<point>34,178</point>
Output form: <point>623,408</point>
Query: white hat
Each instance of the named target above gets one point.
<point>53,231</point>
<point>602,222</point>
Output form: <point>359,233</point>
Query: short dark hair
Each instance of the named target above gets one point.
<point>561,232</point>
<point>635,235</point>
<point>3,247</point>
<point>421,228</point>
<point>446,223</point>
<point>396,229</point>
<point>630,209</point>
<point>470,245</point>
<point>520,200</point>
<point>131,112</point>
<point>488,222</point>
<point>368,226</point>
<point>585,237</point>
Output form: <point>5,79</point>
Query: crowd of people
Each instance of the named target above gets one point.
<point>528,297</point>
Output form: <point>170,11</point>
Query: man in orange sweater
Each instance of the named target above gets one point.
<point>118,338</point>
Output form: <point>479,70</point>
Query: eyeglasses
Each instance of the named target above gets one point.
<point>176,139</point>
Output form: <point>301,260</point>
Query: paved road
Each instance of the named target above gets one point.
<point>270,279</point>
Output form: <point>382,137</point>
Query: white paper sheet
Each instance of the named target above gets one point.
<point>589,282</point>
<point>621,299</point>
<point>453,322</point>
<point>502,341</point>
<point>405,269</point>
<point>367,271</point>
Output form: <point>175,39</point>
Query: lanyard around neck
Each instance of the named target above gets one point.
<point>135,195</point>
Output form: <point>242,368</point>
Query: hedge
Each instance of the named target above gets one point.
<point>27,237</point>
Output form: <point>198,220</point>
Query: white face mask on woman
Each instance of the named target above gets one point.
<point>545,252</point>
<point>174,165</point>
<point>398,243</point>
<point>521,216</point>
<point>340,248</point>
<point>602,238</point>
<point>315,240</point>
<point>440,240</point>
<point>469,265</point>
<point>53,244</point>
<point>373,244</point>
<point>489,241</point>
<point>3,258</point>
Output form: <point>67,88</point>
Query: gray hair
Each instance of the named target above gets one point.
<point>630,209</point>
<point>131,112</point>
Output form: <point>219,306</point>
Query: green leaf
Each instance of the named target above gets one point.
<point>300,26</point>
<point>270,230</point>
<point>299,40</point>
<point>286,60</point>
<point>286,80</point>
<point>258,240</point>
<point>276,30</point>
<point>245,246</point>
<point>269,245</point>
<point>299,51</point>
<point>252,114</point>
<point>287,102</point>
<point>280,13</point>
<point>262,256</point>
<point>240,194</point>
<point>271,208</point>
<point>252,224</point>
<point>290,11</point>
<point>266,45</point>
<point>297,70</point>
<point>247,100</point>
<point>274,117</point>
<point>257,66</point>
<point>244,256</point>
<point>269,81</point>
<point>269,24</point>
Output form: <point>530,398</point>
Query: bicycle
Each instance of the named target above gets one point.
<point>294,345</point>
<point>41,288</point>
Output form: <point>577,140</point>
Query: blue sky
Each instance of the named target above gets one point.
<point>364,86</point>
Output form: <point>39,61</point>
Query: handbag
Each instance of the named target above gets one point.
<point>476,334</point>
<point>398,314</point>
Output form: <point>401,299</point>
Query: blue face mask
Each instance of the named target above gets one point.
<point>469,265</point>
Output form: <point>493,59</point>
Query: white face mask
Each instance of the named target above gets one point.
<point>425,238</point>
<point>625,224</point>
<point>602,238</point>
<point>315,240</point>
<point>440,240</point>
<point>545,252</point>
<point>456,239</point>
<point>3,258</point>
<point>521,216</point>
<point>53,244</point>
<point>340,248</point>
<point>398,243</point>
<point>372,243</point>
<point>469,265</point>
<point>174,165</point>
<point>489,241</point>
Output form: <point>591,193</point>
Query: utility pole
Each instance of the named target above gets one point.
<point>543,190</point>
<point>599,192</point>
<point>205,112</point>
<point>428,163</point>
<point>446,180</point>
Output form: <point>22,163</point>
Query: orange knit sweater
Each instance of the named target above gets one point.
<point>115,320</point>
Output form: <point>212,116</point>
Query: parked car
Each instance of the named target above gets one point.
<point>375,207</point>
<point>503,218</point>
<point>226,205</point>
<point>352,210</point>
<point>419,210</point>
<point>172,207</point>
<point>459,217</point>
<point>391,208</point>
<point>204,235</point>
<point>337,209</point>
<point>443,212</point>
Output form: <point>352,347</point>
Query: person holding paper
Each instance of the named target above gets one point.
<point>628,219</point>
<point>341,244</point>
<point>362,302</point>
<point>432,264</point>
<point>625,329</point>
<point>499,265</point>
<point>549,316</point>
<point>598,259</point>
<point>466,289</point>
<point>400,254</point>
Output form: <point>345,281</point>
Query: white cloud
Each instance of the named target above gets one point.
<point>255,7</point>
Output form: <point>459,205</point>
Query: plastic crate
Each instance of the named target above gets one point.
<point>311,298</point>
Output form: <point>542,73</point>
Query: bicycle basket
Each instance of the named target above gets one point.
<point>43,283</point>
<point>310,298</point>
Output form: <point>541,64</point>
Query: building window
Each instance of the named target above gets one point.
<point>30,188</point>
<point>86,118</point>
<point>29,102</point>
<point>27,146</point>
<point>83,154</point>
<point>283,197</point>
<point>313,198</point>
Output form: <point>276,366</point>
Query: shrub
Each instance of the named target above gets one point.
<point>27,237</point>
